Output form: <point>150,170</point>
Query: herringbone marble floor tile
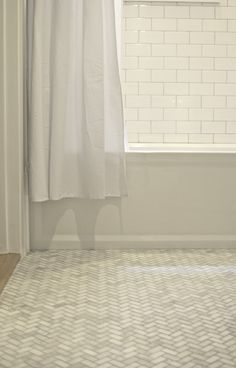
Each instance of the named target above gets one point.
<point>111,309</point>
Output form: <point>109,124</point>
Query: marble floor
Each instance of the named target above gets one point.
<point>115,309</point>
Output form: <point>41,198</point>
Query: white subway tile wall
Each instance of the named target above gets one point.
<point>179,73</point>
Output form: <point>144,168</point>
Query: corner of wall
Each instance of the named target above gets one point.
<point>13,201</point>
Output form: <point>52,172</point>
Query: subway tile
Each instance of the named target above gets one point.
<point>225,38</point>
<point>214,50</point>
<point>147,11</point>
<point>231,51</point>
<point>151,37</point>
<point>176,114</point>
<point>164,76</point>
<point>133,137</point>
<point>176,37</point>
<point>151,138</point>
<point>213,127</point>
<point>202,63</point>
<point>151,62</point>
<point>163,127</point>
<point>151,88</point>
<point>131,36</point>
<point>231,127</point>
<point>164,50</point>
<point>176,138</point>
<point>214,76</point>
<point>223,12</point>
<point>138,101</point>
<point>138,126</point>
<point>164,24</point>
<point>225,2</point>
<point>202,12</point>
<point>189,76</point>
<point>201,138</point>
<point>130,88</point>
<point>231,25</point>
<point>164,101</point>
<point>176,62</point>
<point>188,101</point>
<point>214,25</point>
<point>151,114</point>
<point>131,114</point>
<point>225,114</point>
<point>130,62</point>
<point>225,138</point>
<point>202,38</point>
<point>138,24</point>
<point>188,127</point>
<point>201,89</point>
<point>172,11</point>
<point>179,73</point>
<point>176,89</point>
<point>189,24</point>
<point>231,102</point>
<point>138,49</point>
<point>225,63</point>
<point>228,2</point>
<point>214,101</point>
<point>231,76</point>
<point>131,11</point>
<point>189,50</point>
<point>139,75</point>
<point>201,114</point>
<point>223,89</point>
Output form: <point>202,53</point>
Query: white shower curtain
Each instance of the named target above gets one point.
<point>76,129</point>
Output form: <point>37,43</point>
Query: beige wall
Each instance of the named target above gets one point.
<point>175,200</point>
<point>2,132</point>
<point>182,200</point>
<point>11,130</point>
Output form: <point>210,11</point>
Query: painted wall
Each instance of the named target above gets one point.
<point>180,73</point>
<point>12,198</point>
<point>175,200</point>
<point>3,240</point>
<point>179,200</point>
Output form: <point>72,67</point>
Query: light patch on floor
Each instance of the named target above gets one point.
<point>111,309</point>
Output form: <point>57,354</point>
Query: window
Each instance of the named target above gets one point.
<point>179,74</point>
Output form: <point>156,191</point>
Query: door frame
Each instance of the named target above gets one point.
<point>14,87</point>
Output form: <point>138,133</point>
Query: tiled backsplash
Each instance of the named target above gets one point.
<point>179,73</point>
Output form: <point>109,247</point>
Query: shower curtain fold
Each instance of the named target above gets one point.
<point>76,128</point>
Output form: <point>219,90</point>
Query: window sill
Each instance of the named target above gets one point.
<point>175,1</point>
<point>188,148</point>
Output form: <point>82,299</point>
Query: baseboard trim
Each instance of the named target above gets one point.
<point>63,242</point>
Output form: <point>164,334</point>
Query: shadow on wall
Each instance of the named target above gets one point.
<point>183,200</point>
<point>72,223</point>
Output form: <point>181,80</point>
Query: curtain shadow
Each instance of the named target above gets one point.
<point>51,230</point>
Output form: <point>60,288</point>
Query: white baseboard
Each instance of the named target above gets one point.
<point>63,242</point>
